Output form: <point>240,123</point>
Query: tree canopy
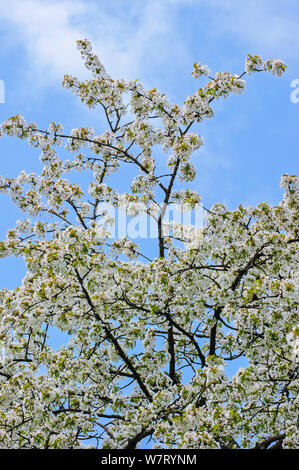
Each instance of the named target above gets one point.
<point>193,344</point>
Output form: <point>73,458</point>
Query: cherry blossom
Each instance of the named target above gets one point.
<point>152,336</point>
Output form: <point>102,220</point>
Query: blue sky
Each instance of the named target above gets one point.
<point>249,144</point>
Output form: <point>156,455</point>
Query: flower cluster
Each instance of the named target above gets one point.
<point>151,338</point>
<point>256,64</point>
<point>200,69</point>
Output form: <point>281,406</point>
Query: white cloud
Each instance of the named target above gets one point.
<point>128,39</point>
<point>45,33</point>
<point>269,27</point>
<point>142,39</point>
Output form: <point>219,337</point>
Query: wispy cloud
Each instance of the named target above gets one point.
<point>269,27</point>
<point>137,39</point>
<point>128,39</point>
<point>45,32</point>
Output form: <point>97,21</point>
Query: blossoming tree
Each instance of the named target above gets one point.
<point>150,334</point>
